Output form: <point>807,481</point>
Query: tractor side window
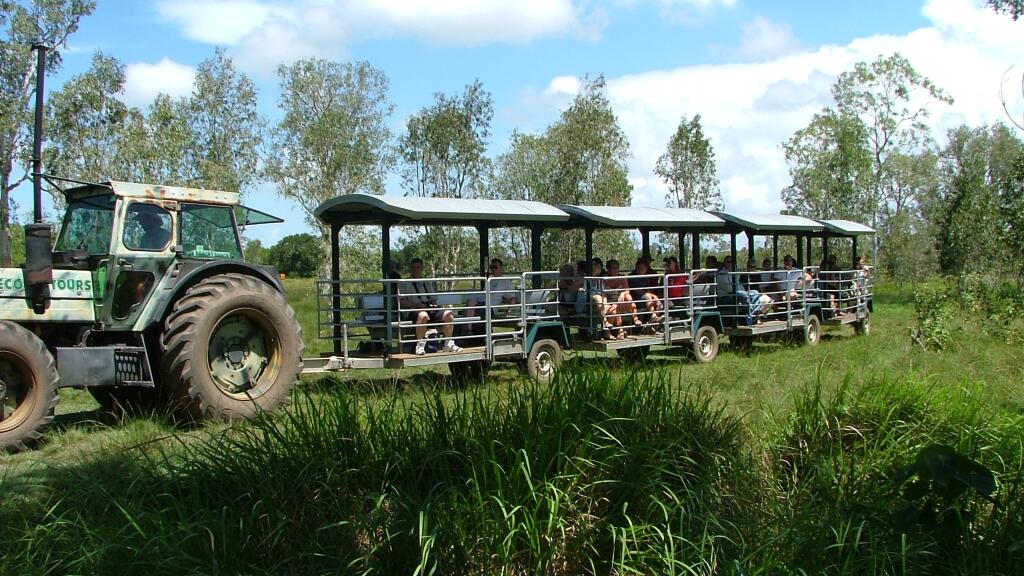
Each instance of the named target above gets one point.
<point>147,227</point>
<point>208,232</point>
<point>88,224</point>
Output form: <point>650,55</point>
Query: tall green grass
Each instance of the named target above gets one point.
<point>599,473</point>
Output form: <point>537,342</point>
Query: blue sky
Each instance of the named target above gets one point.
<point>755,71</point>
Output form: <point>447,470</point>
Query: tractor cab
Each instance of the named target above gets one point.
<point>133,238</point>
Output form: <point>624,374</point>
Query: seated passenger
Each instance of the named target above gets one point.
<point>708,275</point>
<point>678,289</point>
<point>645,294</point>
<point>570,284</point>
<point>731,290</point>
<point>618,298</point>
<point>420,306</point>
<point>789,280</point>
<point>503,293</point>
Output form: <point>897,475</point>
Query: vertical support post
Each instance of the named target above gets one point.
<point>775,251</point>
<point>588,248</point>
<point>335,288</point>
<point>385,249</point>
<point>645,242</point>
<point>696,250</point>
<point>853,252</point>
<point>682,250</point>
<point>483,232</point>
<point>750,245</point>
<point>535,263</point>
<point>800,250</point>
<point>732,250</point>
<point>824,248</point>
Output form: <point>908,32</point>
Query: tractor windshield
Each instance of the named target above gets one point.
<point>88,224</point>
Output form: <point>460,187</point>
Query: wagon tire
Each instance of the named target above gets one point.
<point>635,354</point>
<point>543,361</point>
<point>28,387</point>
<point>232,347</point>
<point>863,327</point>
<point>705,345</point>
<point>472,372</point>
<point>812,331</point>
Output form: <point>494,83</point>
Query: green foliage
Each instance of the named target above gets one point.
<point>333,137</point>
<point>892,101</point>
<point>254,252</point>
<point>934,486</point>
<point>976,166</point>
<point>935,316</point>
<point>24,22</point>
<point>296,255</point>
<point>688,168</point>
<point>84,125</point>
<point>225,128</point>
<point>443,154</point>
<point>580,159</point>
<point>1012,8</point>
<point>384,472</point>
<point>209,139</point>
<point>830,166</point>
<point>1011,203</point>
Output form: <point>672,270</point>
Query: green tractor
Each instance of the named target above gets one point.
<point>144,299</point>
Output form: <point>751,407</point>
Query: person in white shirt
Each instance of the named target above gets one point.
<point>418,301</point>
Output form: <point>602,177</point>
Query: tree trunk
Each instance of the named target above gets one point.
<point>5,225</point>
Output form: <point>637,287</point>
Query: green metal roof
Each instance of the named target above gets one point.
<point>772,222</point>
<point>640,217</point>
<point>847,228</point>
<point>371,209</point>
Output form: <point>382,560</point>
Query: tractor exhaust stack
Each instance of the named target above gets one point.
<point>38,247</point>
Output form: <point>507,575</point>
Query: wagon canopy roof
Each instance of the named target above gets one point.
<point>847,227</point>
<point>772,222</point>
<point>639,217</point>
<point>371,209</point>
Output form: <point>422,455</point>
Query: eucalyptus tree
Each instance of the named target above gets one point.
<point>332,139</point>
<point>688,168</point>
<point>892,100</point>
<point>444,155</point>
<point>226,130</point>
<point>24,22</point>
<point>830,168</point>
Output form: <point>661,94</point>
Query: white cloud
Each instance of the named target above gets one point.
<point>763,39</point>
<point>749,109</point>
<point>563,86</point>
<point>217,21</point>
<point>264,33</point>
<point>143,81</point>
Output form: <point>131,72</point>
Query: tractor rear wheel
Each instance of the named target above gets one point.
<point>28,387</point>
<point>232,346</point>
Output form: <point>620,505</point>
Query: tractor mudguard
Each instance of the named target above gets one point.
<point>191,273</point>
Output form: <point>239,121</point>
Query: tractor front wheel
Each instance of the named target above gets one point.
<point>28,387</point>
<point>233,347</point>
